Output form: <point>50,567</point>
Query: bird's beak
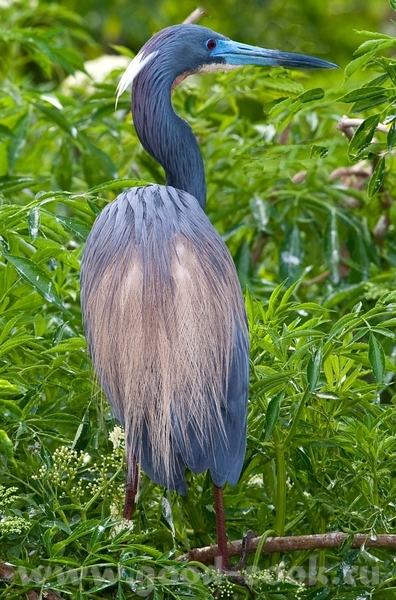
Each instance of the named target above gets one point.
<point>238,54</point>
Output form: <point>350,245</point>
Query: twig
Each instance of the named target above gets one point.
<point>360,169</point>
<point>318,279</point>
<point>207,554</point>
<point>195,16</point>
<point>299,177</point>
<point>345,124</point>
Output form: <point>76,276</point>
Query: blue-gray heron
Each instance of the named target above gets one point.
<point>162,306</point>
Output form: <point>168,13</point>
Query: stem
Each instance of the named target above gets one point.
<point>297,418</point>
<point>375,484</point>
<point>280,502</point>
<point>280,517</point>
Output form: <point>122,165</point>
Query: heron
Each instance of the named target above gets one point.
<point>163,310</point>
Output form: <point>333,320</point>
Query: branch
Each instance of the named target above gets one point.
<point>207,554</point>
<point>345,124</point>
<point>195,16</point>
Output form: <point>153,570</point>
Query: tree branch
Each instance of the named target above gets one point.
<point>195,16</point>
<point>207,554</point>
<point>345,124</point>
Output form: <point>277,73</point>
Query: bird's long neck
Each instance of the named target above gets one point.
<point>165,136</point>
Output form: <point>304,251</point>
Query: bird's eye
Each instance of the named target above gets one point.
<point>211,44</point>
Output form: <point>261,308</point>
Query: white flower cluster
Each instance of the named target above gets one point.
<point>74,475</point>
<point>10,524</point>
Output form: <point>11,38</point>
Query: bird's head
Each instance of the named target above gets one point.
<point>181,50</point>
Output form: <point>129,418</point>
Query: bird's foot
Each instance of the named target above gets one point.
<point>234,573</point>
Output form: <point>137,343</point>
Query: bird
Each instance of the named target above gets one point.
<point>162,306</point>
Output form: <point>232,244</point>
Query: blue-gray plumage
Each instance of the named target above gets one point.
<point>162,307</point>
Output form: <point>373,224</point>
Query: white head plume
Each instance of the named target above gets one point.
<point>134,67</point>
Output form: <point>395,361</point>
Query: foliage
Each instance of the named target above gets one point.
<point>309,217</point>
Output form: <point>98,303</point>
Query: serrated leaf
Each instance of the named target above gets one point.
<point>376,356</point>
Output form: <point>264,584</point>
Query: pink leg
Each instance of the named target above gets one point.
<point>131,488</point>
<point>221,527</point>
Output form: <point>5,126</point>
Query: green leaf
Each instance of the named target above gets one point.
<point>320,594</point>
<point>81,530</point>
<point>56,116</point>
<point>123,50</point>
<point>271,416</point>
<point>4,162</point>
<point>37,278</point>
<point>291,255</point>
<point>311,95</point>
<point>391,137</point>
<point>9,409</point>
<point>363,136</point>
<point>116,184</point>
<point>377,178</point>
<point>56,524</point>
<point>15,184</point>
<point>62,166</point>
<point>6,446</point>
<point>376,356</point>
<point>33,222</point>
<point>332,246</point>
<point>368,97</point>
<point>79,229</point>
<point>313,369</point>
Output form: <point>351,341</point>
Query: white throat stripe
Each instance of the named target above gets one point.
<point>134,67</point>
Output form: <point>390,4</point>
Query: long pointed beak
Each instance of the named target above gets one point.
<point>234,53</point>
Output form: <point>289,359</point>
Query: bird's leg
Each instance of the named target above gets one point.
<point>231,572</point>
<point>221,528</point>
<point>131,487</point>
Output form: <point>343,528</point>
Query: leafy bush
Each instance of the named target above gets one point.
<point>308,213</point>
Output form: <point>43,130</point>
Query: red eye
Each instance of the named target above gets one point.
<point>211,44</point>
